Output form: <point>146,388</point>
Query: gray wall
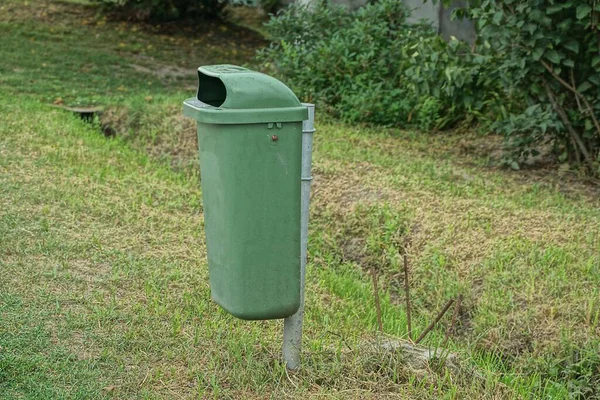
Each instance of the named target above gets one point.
<point>423,11</point>
<point>460,29</point>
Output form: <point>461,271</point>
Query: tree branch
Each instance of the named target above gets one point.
<point>575,85</point>
<point>565,119</point>
<point>576,92</point>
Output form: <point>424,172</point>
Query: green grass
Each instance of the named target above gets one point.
<point>67,53</point>
<point>105,290</point>
<point>104,293</point>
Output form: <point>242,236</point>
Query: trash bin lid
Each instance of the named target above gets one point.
<point>228,94</point>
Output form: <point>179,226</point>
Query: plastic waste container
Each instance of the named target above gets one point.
<point>249,137</point>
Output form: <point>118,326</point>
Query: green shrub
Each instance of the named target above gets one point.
<point>164,9</point>
<point>533,76</point>
<point>524,132</point>
<point>370,65</point>
<point>548,56</point>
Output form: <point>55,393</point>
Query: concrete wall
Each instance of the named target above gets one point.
<point>460,29</point>
<point>423,11</point>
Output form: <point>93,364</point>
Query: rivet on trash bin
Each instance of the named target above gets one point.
<point>274,138</point>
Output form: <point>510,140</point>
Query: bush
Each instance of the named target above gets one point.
<point>370,65</point>
<point>533,76</point>
<point>164,9</point>
<point>547,58</point>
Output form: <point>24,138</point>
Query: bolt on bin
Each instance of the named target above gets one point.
<point>249,138</point>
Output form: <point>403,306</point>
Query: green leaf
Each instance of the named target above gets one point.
<point>532,109</point>
<point>594,79</point>
<point>498,17</point>
<point>531,28</point>
<point>514,165</point>
<point>564,25</point>
<point>448,74</point>
<point>595,60</point>
<point>563,157</point>
<point>583,11</point>
<point>553,9</point>
<point>553,56</point>
<point>572,45</point>
<point>568,62</point>
<point>537,53</point>
<point>584,86</point>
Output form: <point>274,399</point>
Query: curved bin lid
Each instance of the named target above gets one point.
<point>228,94</point>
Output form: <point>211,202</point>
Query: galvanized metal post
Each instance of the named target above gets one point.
<point>292,326</point>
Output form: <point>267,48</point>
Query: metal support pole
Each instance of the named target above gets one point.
<point>292,326</point>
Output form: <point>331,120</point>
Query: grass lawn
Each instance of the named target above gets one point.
<point>103,279</point>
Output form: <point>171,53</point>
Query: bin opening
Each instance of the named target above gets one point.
<point>211,90</point>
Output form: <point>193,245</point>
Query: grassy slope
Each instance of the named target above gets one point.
<point>104,286</point>
<point>58,52</point>
<point>523,254</point>
<point>104,293</point>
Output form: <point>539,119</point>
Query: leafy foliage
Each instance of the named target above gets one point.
<point>164,9</point>
<point>370,65</point>
<point>526,131</point>
<point>548,58</point>
<point>534,74</point>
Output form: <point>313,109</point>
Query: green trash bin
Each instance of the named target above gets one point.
<point>249,136</point>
